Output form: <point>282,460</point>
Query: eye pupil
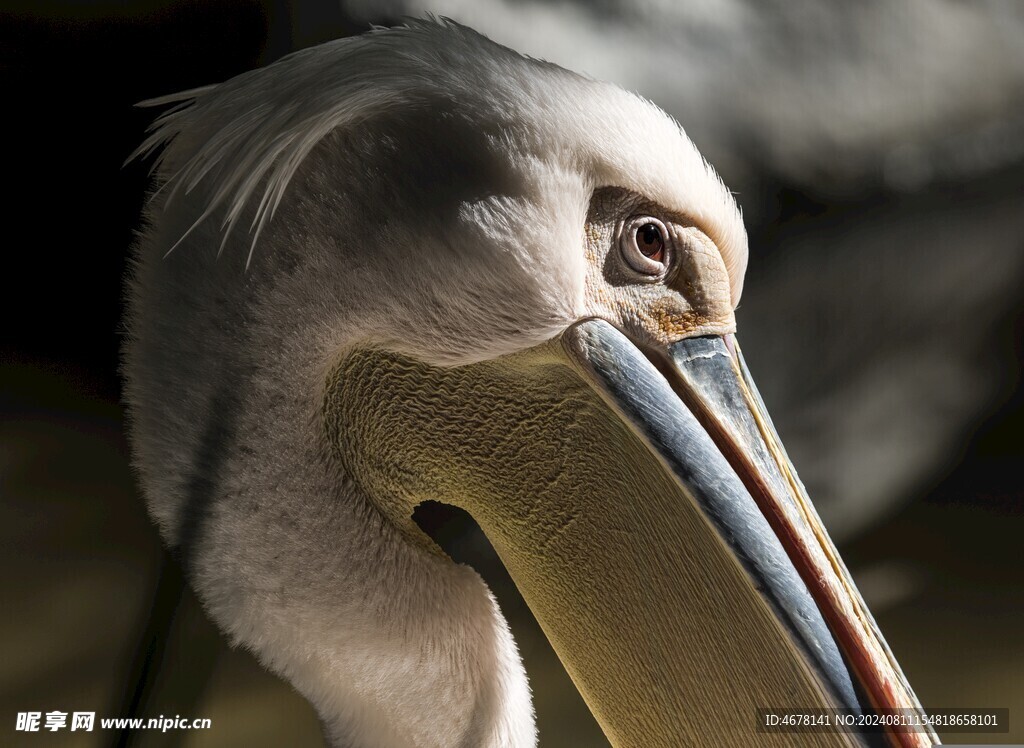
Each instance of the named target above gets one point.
<point>650,241</point>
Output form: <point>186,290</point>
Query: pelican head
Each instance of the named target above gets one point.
<point>415,265</point>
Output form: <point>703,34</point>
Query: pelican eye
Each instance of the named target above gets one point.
<point>646,246</point>
<point>650,242</point>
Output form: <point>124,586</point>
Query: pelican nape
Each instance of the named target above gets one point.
<point>493,283</point>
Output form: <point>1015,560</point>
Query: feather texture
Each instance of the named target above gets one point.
<point>248,136</point>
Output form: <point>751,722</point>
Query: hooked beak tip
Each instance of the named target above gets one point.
<point>711,377</point>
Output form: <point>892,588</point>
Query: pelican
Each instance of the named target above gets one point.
<point>415,265</point>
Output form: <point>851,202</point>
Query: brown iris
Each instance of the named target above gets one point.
<point>650,242</point>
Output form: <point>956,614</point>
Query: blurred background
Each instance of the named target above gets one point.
<point>877,151</point>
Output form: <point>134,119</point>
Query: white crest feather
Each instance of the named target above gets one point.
<point>247,136</point>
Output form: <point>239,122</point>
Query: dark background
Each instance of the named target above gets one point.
<point>882,319</point>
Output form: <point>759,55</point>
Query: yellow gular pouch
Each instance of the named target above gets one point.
<point>533,453</point>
